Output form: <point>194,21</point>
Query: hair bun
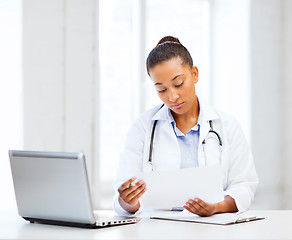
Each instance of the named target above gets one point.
<point>168,48</point>
<point>168,39</point>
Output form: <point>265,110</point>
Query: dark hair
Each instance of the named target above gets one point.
<point>168,48</point>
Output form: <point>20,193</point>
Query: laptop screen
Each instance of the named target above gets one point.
<point>51,185</point>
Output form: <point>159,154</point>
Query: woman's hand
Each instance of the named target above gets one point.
<point>130,194</point>
<point>199,207</point>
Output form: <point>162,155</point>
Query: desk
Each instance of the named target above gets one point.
<point>277,225</point>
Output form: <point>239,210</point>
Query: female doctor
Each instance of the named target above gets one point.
<point>184,132</point>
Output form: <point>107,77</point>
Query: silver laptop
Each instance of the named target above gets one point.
<point>52,188</point>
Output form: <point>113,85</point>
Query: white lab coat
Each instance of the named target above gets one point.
<point>240,177</point>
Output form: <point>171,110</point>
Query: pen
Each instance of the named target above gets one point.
<point>245,219</point>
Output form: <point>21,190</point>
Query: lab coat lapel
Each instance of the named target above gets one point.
<point>206,113</point>
<point>168,156</point>
<point>166,150</point>
<point>204,130</point>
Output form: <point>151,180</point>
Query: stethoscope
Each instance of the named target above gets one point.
<point>204,141</point>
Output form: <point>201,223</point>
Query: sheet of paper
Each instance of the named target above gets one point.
<point>168,189</point>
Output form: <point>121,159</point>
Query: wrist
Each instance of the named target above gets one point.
<point>217,208</point>
<point>227,205</point>
<point>131,208</point>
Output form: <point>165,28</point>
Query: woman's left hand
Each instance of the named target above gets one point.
<point>199,207</point>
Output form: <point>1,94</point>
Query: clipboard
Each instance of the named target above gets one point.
<point>217,219</point>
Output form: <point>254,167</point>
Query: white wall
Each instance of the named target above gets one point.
<point>60,71</point>
<point>229,59</point>
<point>10,96</point>
<point>287,105</point>
<point>271,102</point>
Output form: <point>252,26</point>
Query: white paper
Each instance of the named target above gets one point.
<point>168,189</point>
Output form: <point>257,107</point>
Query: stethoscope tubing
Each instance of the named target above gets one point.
<point>204,141</point>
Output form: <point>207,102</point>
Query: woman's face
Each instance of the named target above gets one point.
<point>175,84</point>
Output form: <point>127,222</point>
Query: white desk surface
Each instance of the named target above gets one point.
<point>277,225</point>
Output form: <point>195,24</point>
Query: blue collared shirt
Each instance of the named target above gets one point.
<point>188,143</point>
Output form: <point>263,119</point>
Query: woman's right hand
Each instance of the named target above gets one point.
<point>130,194</point>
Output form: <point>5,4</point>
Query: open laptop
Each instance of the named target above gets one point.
<point>53,188</point>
